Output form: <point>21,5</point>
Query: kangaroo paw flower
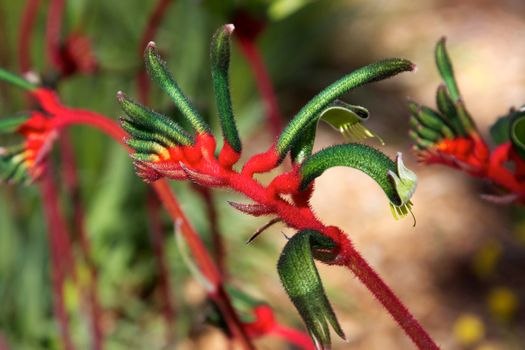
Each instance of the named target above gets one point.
<point>303,285</point>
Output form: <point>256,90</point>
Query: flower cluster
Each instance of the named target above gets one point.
<point>449,136</point>
<point>39,130</point>
<point>23,162</point>
<point>161,147</point>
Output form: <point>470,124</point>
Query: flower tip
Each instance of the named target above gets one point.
<point>121,96</point>
<point>32,77</point>
<point>151,46</point>
<point>229,28</point>
<point>413,68</point>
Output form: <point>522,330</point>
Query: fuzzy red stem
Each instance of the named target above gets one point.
<point>154,21</point>
<point>26,30</point>
<point>264,84</point>
<point>158,241</point>
<point>217,241</point>
<point>358,265</point>
<point>57,238</point>
<point>71,182</point>
<point>53,33</point>
<point>68,116</point>
<point>3,342</point>
<point>205,263</point>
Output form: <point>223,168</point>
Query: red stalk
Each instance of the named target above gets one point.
<point>69,116</point>
<point>154,21</point>
<point>217,241</point>
<point>358,265</point>
<point>59,247</point>
<point>71,182</point>
<point>26,30</point>
<point>158,241</point>
<point>53,33</point>
<point>3,342</point>
<point>205,263</point>
<point>264,84</point>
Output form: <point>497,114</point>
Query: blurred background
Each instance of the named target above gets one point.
<point>460,270</point>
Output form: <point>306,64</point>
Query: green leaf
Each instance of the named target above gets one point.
<point>303,285</point>
<point>220,62</point>
<point>500,130</point>
<point>158,71</point>
<point>308,114</point>
<point>445,69</point>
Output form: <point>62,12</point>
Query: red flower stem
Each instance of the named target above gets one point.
<point>3,342</point>
<point>57,244</point>
<point>53,33</point>
<point>358,265</point>
<point>69,116</point>
<point>158,242</point>
<point>264,84</point>
<point>205,263</point>
<point>71,183</point>
<point>26,31</point>
<point>217,241</point>
<point>154,21</point>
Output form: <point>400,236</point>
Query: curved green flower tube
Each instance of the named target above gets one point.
<point>220,63</point>
<point>158,71</point>
<point>398,182</point>
<point>308,114</point>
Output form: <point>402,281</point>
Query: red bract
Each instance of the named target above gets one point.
<point>466,154</point>
<point>39,137</point>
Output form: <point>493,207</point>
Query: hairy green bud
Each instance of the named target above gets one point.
<point>303,285</point>
<point>220,63</point>
<point>158,71</point>
<point>308,114</point>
